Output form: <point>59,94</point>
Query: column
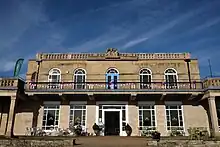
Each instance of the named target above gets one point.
<point>11,116</point>
<point>91,115</point>
<point>133,115</point>
<point>213,114</point>
<point>161,121</point>
<point>64,114</point>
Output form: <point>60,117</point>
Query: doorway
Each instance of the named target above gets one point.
<point>112,123</point>
<point>112,76</point>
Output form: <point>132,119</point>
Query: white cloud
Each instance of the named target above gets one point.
<point>134,42</point>
<point>159,29</point>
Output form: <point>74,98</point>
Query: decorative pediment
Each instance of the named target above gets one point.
<point>112,53</point>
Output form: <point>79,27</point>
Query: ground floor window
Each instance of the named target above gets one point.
<point>51,116</point>
<point>174,117</point>
<point>147,120</point>
<point>77,115</point>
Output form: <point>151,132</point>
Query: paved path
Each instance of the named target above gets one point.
<point>111,141</point>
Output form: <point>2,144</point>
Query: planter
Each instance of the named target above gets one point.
<point>156,136</point>
<point>128,132</point>
<point>97,132</point>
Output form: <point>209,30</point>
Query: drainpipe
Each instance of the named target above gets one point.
<point>189,74</point>
<point>38,69</point>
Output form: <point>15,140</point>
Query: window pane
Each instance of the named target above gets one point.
<point>174,118</point>
<point>77,117</point>
<point>147,118</point>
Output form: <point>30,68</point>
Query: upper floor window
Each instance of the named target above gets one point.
<point>112,76</point>
<point>54,78</point>
<point>79,79</point>
<point>171,78</point>
<point>145,79</point>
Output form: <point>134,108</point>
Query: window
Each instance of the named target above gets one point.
<point>77,115</point>
<point>51,116</point>
<point>147,120</point>
<point>174,117</point>
<point>79,79</point>
<point>145,79</point>
<point>54,78</point>
<point>112,76</point>
<point>171,79</point>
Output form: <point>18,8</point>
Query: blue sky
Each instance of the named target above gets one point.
<point>31,26</point>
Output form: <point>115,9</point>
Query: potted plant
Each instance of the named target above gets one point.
<point>128,129</point>
<point>156,135</point>
<point>96,129</point>
<point>78,130</point>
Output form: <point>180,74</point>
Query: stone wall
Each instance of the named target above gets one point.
<point>36,143</point>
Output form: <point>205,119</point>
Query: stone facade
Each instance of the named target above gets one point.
<point>24,108</point>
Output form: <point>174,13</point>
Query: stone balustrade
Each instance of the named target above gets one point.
<point>212,82</point>
<point>11,83</point>
<point>88,56</point>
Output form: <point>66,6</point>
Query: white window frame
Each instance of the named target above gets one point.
<point>175,103</point>
<point>155,114</point>
<point>170,74</point>
<point>71,117</point>
<point>76,74</point>
<point>52,72</point>
<point>141,75</point>
<point>44,127</point>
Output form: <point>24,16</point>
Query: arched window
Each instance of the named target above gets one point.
<point>145,79</point>
<point>54,78</point>
<point>171,78</point>
<point>112,76</point>
<point>79,79</point>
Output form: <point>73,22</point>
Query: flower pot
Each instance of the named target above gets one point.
<point>128,132</point>
<point>97,132</point>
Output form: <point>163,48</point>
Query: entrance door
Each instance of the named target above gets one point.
<point>112,123</point>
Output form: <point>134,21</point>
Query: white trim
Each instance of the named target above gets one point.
<point>50,74</point>
<point>127,116</point>
<point>173,102</point>
<point>174,74</point>
<point>75,75</point>
<point>120,117</point>
<point>74,71</point>
<point>170,73</point>
<point>155,113</point>
<point>59,109</point>
<point>184,128</point>
<point>51,102</point>
<point>146,102</point>
<point>78,102</point>
<point>145,69</point>
<point>111,103</point>
<point>112,68</point>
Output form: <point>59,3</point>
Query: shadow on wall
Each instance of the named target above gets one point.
<point>27,112</point>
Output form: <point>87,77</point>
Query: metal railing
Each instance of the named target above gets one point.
<point>113,86</point>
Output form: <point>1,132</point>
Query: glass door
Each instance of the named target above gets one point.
<point>112,81</point>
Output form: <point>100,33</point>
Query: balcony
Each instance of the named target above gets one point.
<point>114,87</point>
<point>212,83</point>
<point>11,84</point>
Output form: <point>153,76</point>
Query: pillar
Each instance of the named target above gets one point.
<point>11,116</point>
<point>161,121</point>
<point>213,114</point>
<point>91,115</point>
<point>64,114</point>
